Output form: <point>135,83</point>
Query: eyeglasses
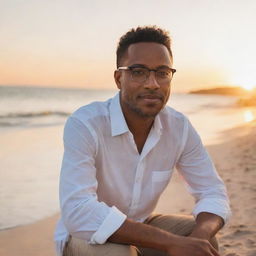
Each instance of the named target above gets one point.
<point>140,74</point>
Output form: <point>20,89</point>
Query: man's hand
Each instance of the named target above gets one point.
<point>192,247</point>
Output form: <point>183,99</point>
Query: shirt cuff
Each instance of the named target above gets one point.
<point>219,207</point>
<point>110,224</point>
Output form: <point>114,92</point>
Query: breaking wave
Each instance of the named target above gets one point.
<point>41,118</point>
<point>35,114</point>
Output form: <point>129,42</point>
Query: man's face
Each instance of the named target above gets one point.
<point>148,98</point>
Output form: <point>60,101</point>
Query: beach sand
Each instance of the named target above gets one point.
<point>235,160</point>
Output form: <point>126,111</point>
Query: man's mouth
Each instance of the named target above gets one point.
<point>151,98</point>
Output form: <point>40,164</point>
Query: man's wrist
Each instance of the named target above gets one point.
<point>171,242</point>
<point>200,233</point>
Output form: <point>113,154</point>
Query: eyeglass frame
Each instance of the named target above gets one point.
<point>129,68</point>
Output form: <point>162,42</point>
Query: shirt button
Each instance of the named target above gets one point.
<point>135,205</point>
<point>138,180</point>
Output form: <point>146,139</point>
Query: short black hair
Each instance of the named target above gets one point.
<point>142,34</point>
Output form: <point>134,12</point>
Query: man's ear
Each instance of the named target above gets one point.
<point>117,76</point>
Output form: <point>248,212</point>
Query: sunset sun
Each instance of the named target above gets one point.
<point>247,81</point>
<point>248,86</point>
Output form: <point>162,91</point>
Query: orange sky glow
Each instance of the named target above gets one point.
<point>72,43</point>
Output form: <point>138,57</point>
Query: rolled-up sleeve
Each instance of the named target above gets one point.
<point>202,179</point>
<point>83,215</point>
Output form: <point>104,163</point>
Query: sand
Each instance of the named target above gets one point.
<point>236,163</point>
<point>235,159</point>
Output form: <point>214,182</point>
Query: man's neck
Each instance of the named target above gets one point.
<point>140,127</point>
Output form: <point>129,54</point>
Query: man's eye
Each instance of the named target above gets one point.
<point>138,72</point>
<point>163,73</point>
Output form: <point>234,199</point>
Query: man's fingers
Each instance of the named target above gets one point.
<point>214,252</point>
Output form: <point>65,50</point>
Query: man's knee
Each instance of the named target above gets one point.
<point>78,247</point>
<point>177,224</point>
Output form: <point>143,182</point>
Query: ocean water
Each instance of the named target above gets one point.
<point>22,107</point>
<point>28,106</point>
<point>29,173</point>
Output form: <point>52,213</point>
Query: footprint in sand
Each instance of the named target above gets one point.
<point>237,234</point>
<point>238,226</point>
<point>251,253</point>
<point>250,243</point>
<point>240,232</point>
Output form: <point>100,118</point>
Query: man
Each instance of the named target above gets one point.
<point>119,157</point>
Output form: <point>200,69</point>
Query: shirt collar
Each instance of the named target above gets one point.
<point>118,123</point>
<point>157,123</point>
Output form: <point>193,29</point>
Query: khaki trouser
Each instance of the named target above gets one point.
<point>176,224</point>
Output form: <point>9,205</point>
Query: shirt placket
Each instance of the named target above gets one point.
<point>152,140</point>
<point>137,188</point>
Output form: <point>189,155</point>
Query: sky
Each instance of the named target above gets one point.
<point>63,43</point>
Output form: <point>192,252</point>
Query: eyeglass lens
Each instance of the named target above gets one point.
<point>142,74</point>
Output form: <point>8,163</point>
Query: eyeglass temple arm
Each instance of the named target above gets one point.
<point>123,68</point>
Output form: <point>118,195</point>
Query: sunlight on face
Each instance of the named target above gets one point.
<point>248,116</point>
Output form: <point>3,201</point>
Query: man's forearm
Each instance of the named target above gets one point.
<point>143,235</point>
<point>207,225</point>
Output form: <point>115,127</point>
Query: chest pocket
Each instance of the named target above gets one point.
<point>160,180</point>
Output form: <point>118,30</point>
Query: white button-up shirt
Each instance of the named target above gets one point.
<point>104,179</point>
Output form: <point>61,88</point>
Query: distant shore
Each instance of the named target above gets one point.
<point>245,98</point>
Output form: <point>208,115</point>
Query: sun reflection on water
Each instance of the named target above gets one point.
<point>248,116</point>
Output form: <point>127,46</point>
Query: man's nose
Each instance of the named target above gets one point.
<point>151,82</point>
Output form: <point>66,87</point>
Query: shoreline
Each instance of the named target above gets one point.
<point>235,160</point>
